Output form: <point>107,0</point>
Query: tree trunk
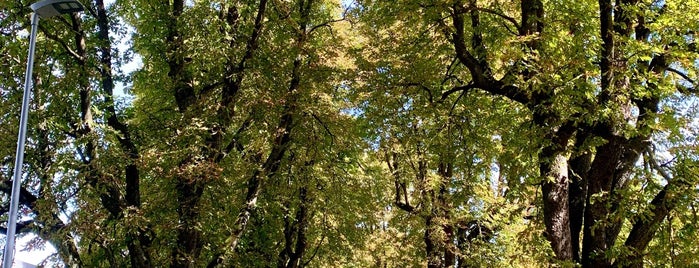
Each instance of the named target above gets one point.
<point>450,248</point>
<point>434,256</point>
<point>597,204</point>
<point>302,218</point>
<point>188,244</point>
<point>446,172</point>
<point>579,167</point>
<point>556,206</point>
<point>137,240</point>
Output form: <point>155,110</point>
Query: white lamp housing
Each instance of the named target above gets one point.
<point>50,8</point>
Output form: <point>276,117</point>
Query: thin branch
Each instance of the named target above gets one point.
<point>25,197</point>
<point>448,74</point>
<point>65,46</point>
<point>421,86</point>
<point>326,24</point>
<point>21,227</point>
<point>235,143</point>
<point>654,164</point>
<point>315,251</point>
<point>446,94</point>
<point>499,14</point>
<point>453,106</point>
<point>91,10</point>
<point>683,75</point>
<point>327,130</point>
<point>685,90</point>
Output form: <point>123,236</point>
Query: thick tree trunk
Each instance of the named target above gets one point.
<point>301,226</point>
<point>554,170</point>
<point>599,231</point>
<point>579,167</point>
<point>600,181</point>
<point>556,206</point>
<point>434,256</point>
<point>188,244</point>
<point>189,186</point>
<point>450,248</point>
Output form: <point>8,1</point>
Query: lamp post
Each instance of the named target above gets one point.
<point>43,9</point>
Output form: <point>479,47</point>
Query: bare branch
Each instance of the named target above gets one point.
<point>25,197</point>
<point>421,86</point>
<point>654,164</point>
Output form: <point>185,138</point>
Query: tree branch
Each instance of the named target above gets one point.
<point>21,227</point>
<point>65,46</point>
<point>252,43</point>
<point>685,77</point>
<point>645,227</point>
<point>325,127</point>
<point>421,86</point>
<point>481,75</point>
<point>235,142</point>
<point>446,94</point>
<point>499,14</point>
<point>25,197</point>
<point>326,24</point>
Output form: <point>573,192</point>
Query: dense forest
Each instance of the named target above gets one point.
<point>329,133</point>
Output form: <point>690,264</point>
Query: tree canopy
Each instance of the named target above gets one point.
<point>328,133</point>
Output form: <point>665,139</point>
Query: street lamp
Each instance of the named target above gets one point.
<point>43,9</point>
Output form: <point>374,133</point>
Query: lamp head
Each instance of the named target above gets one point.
<point>50,8</point>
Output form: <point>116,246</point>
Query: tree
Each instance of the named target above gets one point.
<point>358,134</point>
<point>67,143</point>
<point>594,100</point>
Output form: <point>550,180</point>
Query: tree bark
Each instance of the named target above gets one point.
<point>644,228</point>
<point>268,169</point>
<point>434,258</point>
<point>556,206</point>
<point>189,187</point>
<point>577,173</point>
<point>596,204</point>
<point>301,227</point>
<point>188,247</point>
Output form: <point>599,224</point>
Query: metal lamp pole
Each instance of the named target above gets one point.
<point>44,9</point>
